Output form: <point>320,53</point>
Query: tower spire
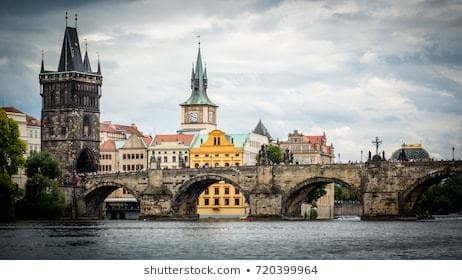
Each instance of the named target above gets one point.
<point>86,60</point>
<point>75,18</point>
<point>66,19</point>
<point>99,67</point>
<point>42,69</point>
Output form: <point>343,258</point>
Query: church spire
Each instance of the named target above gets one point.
<point>198,83</point>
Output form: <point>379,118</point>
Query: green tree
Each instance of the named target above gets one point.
<point>43,163</point>
<point>443,198</point>
<point>12,148</point>
<point>43,199</point>
<point>275,154</point>
<point>12,151</point>
<point>315,194</point>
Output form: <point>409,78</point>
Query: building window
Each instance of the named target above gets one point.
<point>124,156</point>
<point>206,201</point>
<point>137,156</point>
<point>141,156</point>
<point>186,159</point>
<point>196,165</point>
<point>196,155</point>
<point>86,126</point>
<point>236,191</point>
<point>217,191</point>
<point>226,155</point>
<point>217,164</point>
<point>217,155</point>
<point>217,201</point>
<point>237,163</point>
<point>226,190</point>
<point>133,167</point>
<point>124,167</point>
<point>226,201</point>
<point>226,164</point>
<point>237,155</point>
<point>173,158</point>
<point>165,159</point>
<point>237,201</point>
<point>206,155</point>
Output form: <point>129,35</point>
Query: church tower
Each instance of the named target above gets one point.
<point>198,113</point>
<point>71,107</point>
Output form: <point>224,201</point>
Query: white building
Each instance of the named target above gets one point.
<point>170,150</point>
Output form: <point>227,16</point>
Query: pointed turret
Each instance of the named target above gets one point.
<point>42,69</point>
<point>99,67</point>
<point>199,85</point>
<point>260,129</point>
<point>192,77</point>
<point>86,60</point>
<point>71,58</point>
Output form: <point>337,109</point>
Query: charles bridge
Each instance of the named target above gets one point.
<point>388,190</point>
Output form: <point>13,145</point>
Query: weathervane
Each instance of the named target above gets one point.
<point>377,142</point>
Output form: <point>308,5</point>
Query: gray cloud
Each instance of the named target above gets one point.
<point>355,69</point>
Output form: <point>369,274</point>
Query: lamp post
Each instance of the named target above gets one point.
<point>361,156</point>
<point>453,149</point>
<point>339,161</point>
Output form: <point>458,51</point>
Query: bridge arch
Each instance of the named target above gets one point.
<point>409,197</point>
<point>293,199</point>
<point>184,202</point>
<point>95,196</point>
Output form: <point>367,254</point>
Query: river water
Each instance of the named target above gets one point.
<point>335,239</point>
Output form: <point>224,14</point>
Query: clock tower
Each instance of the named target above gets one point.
<point>198,113</point>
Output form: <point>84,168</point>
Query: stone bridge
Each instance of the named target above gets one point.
<point>388,189</point>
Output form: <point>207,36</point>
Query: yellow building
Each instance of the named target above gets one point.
<point>220,200</point>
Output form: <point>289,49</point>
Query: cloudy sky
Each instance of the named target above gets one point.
<point>354,69</point>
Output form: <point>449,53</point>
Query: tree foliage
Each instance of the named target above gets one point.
<point>9,193</point>
<point>343,193</point>
<point>315,194</point>
<point>442,198</point>
<point>12,148</point>
<point>43,163</point>
<point>275,154</point>
<point>44,199</point>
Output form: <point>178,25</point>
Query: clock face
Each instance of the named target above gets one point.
<point>192,116</point>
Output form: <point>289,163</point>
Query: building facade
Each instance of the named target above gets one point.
<point>111,131</point>
<point>220,200</point>
<point>258,137</point>
<point>170,151</point>
<point>308,149</point>
<point>33,135</point>
<point>71,108</point>
<point>313,149</point>
<point>198,113</point>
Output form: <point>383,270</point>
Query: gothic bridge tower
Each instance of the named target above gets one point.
<point>198,113</point>
<point>71,108</point>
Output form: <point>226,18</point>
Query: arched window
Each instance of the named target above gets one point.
<point>86,126</point>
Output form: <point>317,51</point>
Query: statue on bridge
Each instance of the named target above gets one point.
<point>288,157</point>
<point>263,157</point>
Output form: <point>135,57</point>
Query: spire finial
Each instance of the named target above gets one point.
<point>75,18</point>
<point>42,69</point>
<point>199,40</point>
<point>86,45</point>
<point>66,19</point>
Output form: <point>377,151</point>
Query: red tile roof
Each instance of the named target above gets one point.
<point>119,128</point>
<point>184,138</point>
<point>315,139</point>
<point>147,139</point>
<point>31,121</point>
<point>12,110</point>
<point>108,146</point>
